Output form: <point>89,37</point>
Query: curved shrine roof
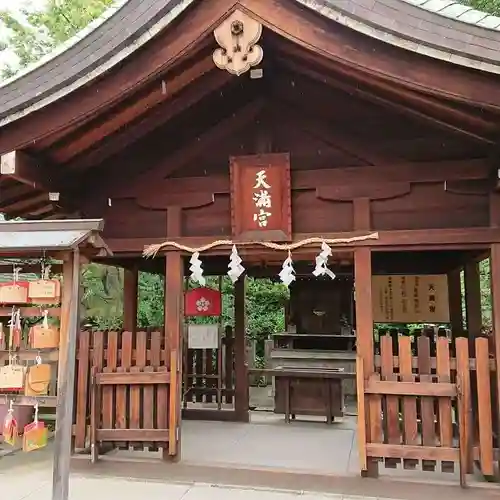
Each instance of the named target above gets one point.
<point>442,29</point>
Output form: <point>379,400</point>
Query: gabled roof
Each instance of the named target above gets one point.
<point>441,29</point>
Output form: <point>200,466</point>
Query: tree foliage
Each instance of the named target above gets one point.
<point>491,6</point>
<point>32,34</point>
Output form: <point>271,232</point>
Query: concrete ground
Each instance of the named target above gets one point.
<point>28,477</point>
<point>231,461</point>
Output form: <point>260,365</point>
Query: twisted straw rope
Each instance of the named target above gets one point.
<point>152,250</point>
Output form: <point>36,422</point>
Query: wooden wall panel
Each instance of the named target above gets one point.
<point>429,206</point>
<point>211,220</point>
<point>124,219</point>
<point>310,214</point>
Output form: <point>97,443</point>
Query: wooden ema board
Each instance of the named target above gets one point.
<point>424,395</point>
<point>410,299</point>
<point>128,394</point>
<point>34,292</point>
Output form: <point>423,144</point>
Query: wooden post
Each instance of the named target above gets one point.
<point>455,300</point>
<point>495,302</point>
<point>130,291</point>
<point>364,343</point>
<point>473,299</point>
<point>174,288</point>
<point>67,287</point>
<point>66,380</point>
<point>241,376</point>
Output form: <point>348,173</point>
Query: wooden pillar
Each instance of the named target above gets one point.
<point>130,298</point>
<point>66,303</point>
<point>455,302</point>
<point>473,299</point>
<point>174,289</point>
<point>70,325</point>
<point>241,372</point>
<point>495,302</point>
<point>364,345</point>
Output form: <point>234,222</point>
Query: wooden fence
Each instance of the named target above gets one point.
<point>430,403</point>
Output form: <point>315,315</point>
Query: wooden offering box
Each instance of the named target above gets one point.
<point>309,392</point>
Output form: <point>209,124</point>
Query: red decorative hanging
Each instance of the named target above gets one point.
<point>202,301</point>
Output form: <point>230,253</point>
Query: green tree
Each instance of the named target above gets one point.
<point>102,298</point>
<point>32,34</point>
<point>491,6</point>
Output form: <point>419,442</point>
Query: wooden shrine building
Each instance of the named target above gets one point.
<point>371,127</point>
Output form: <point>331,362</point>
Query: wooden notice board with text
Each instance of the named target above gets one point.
<point>410,298</point>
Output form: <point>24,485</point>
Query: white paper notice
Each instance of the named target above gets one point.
<point>203,336</point>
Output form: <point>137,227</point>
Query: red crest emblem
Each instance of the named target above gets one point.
<point>202,301</point>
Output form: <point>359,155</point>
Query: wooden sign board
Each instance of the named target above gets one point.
<point>410,299</point>
<point>203,336</point>
<point>261,197</point>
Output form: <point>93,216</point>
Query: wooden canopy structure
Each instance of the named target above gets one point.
<point>386,115</point>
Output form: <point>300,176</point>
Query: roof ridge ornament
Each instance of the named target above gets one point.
<point>237,36</point>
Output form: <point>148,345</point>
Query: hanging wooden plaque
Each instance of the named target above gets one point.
<point>261,197</point>
<point>14,292</point>
<point>44,337</point>
<point>41,291</point>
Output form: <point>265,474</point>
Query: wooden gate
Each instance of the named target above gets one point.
<point>123,389</point>
<point>423,408</point>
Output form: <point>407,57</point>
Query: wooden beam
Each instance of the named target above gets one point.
<point>352,78</point>
<point>414,239</point>
<point>142,182</point>
<point>22,206</point>
<point>349,182</point>
<point>152,120</point>
<point>28,170</point>
<point>392,103</point>
<point>139,106</point>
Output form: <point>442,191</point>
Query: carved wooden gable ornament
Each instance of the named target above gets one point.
<point>260,197</point>
<point>237,36</point>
